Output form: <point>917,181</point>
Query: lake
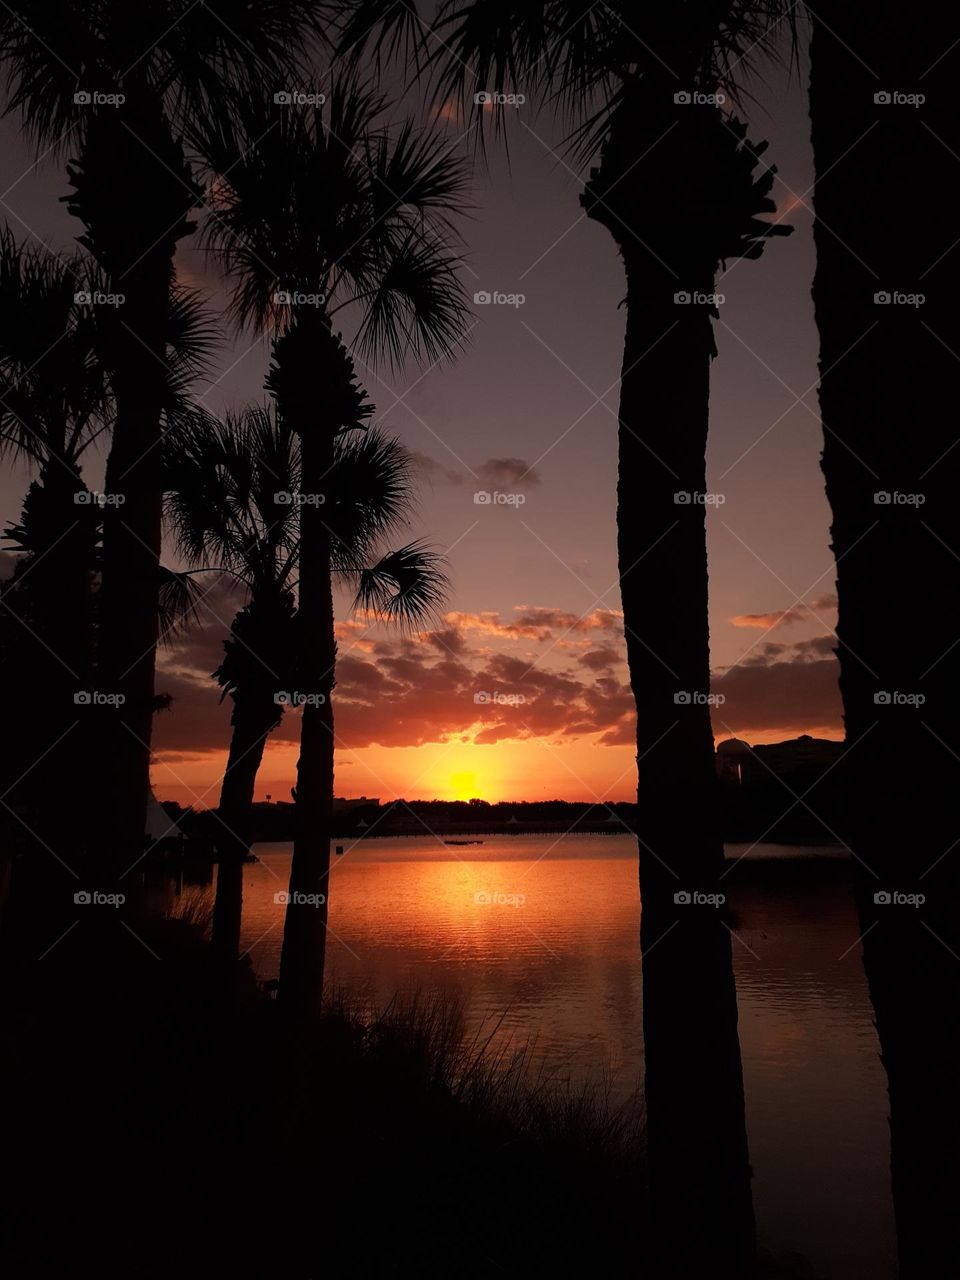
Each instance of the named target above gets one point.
<point>541,935</point>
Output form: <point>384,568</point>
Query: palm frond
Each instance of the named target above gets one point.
<point>371,491</point>
<point>179,600</point>
<point>408,586</point>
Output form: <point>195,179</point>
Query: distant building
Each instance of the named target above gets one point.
<point>738,762</point>
<point>733,756</point>
<point>361,802</point>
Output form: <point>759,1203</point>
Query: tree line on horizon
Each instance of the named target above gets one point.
<point>324,215</point>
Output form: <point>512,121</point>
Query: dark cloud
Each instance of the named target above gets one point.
<point>512,473</point>
<point>434,471</point>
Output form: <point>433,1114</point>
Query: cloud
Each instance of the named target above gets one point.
<point>435,471</point>
<point>495,473</point>
<point>790,687</point>
<point>435,687</point>
<point>767,621</point>
<point>787,617</point>
<point>778,695</point>
<point>512,473</point>
<point>601,658</point>
<point>534,622</point>
<point>451,684</point>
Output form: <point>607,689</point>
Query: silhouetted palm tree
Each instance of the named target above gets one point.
<point>885,287</point>
<point>56,402</point>
<point>113,83</point>
<point>321,211</point>
<point>231,502</point>
<point>677,186</point>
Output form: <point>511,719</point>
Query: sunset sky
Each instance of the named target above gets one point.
<point>529,408</point>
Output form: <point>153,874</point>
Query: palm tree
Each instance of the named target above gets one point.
<point>677,186</point>
<point>57,403</point>
<point>887,375</point>
<point>53,404</point>
<point>229,503</point>
<point>318,212</point>
<point>115,83</point>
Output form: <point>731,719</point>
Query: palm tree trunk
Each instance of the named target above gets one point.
<point>698,1159</point>
<point>134,223</point>
<point>305,927</point>
<point>253,719</point>
<point>699,1165</point>
<point>887,369</point>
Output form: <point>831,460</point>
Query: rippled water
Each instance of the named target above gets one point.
<point>552,946</point>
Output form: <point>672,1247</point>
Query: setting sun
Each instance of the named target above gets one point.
<point>463,785</point>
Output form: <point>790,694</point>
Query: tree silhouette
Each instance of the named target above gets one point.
<point>231,504</point>
<point>678,187</point>
<point>320,211</point>
<point>114,85</point>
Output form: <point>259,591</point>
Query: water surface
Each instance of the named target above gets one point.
<point>542,935</point>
